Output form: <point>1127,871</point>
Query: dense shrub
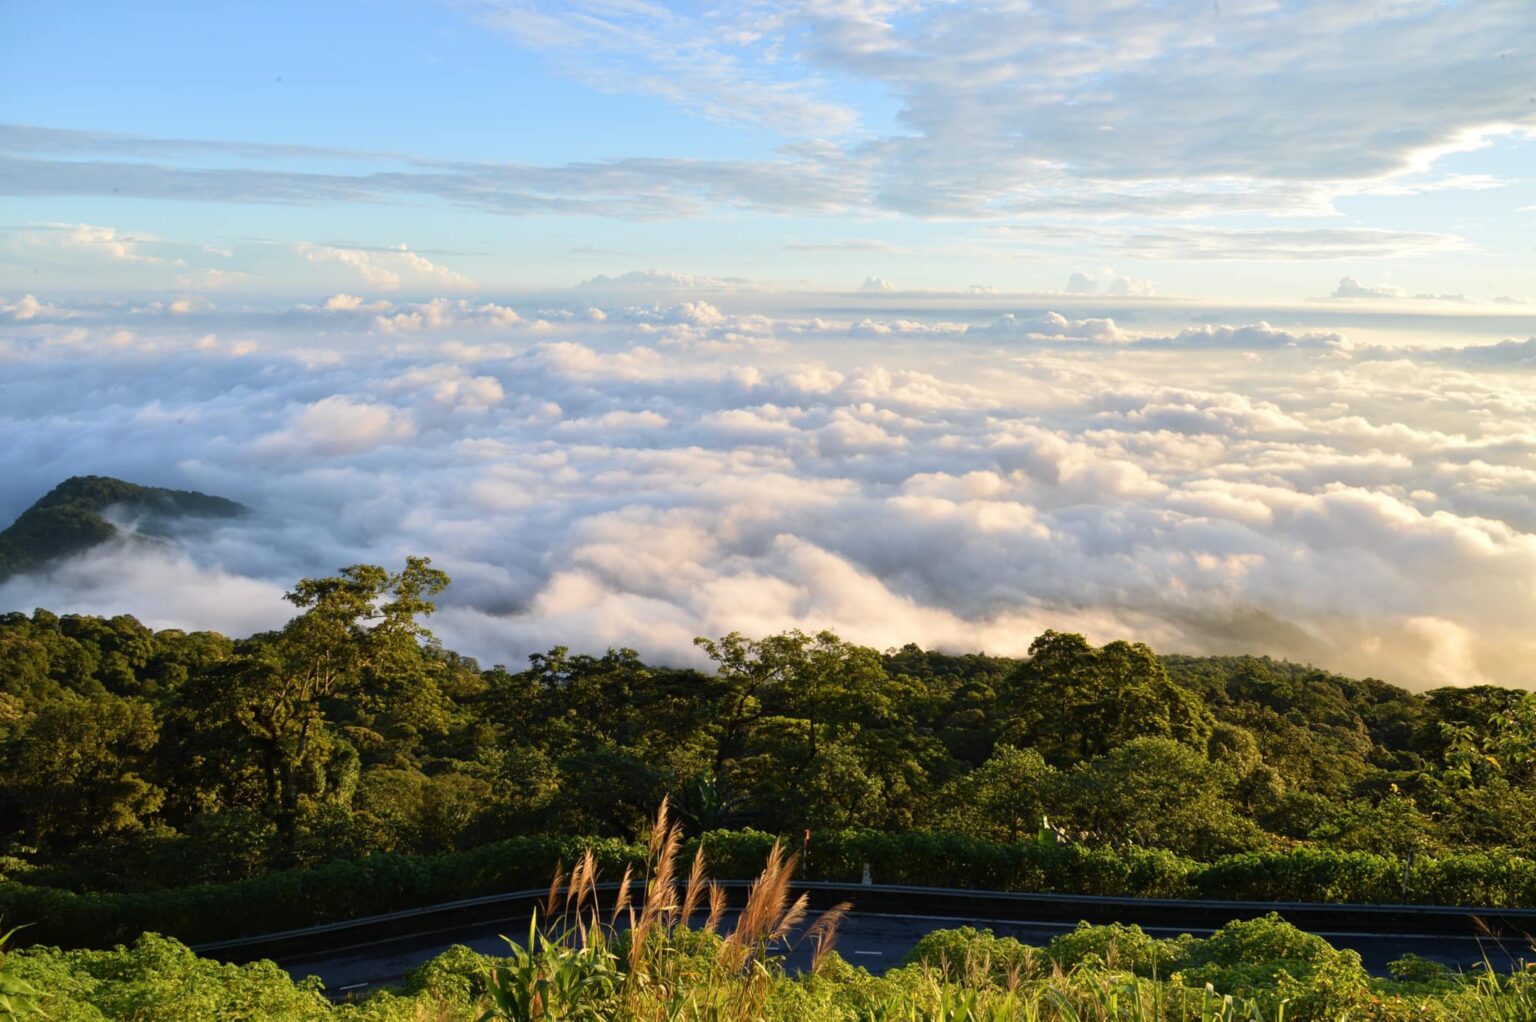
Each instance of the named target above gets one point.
<point>1117,946</point>
<point>1476,878</point>
<point>297,898</point>
<point>1303,874</point>
<point>384,883</point>
<point>951,860</point>
<point>161,979</point>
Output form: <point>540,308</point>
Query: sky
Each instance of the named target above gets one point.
<point>1208,148</point>
<point>1210,324</point>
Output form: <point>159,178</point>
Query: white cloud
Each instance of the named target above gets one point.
<point>660,280</point>
<point>1223,487</point>
<point>1106,281</point>
<point>1254,337</point>
<point>440,313</point>
<point>1283,243</point>
<point>1080,283</point>
<point>209,278</point>
<point>997,97</point>
<point>885,328</point>
<point>700,314</point>
<point>1349,287</point>
<point>1008,107</point>
<point>699,62</point>
<point>1001,111</point>
<point>1050,326</point>
<point>449,385</point>
<point>337,425</point>
<point>89,240</point>
<point>1131,286</point>
<point>27,308</point>
<point>876,284</point>
<point>388,268</point>
<point>364,263</point>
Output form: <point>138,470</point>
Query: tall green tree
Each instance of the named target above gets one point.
<point>364,621</point>
<point>1156,793</point>
<point>1004,799</point>
<point>79,770</point>
<point>1073,701</point>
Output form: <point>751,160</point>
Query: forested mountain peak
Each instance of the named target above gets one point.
<point>71,518</point>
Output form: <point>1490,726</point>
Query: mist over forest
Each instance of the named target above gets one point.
<point>645,470</point>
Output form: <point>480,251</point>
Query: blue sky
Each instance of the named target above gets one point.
<point>1248,150</point>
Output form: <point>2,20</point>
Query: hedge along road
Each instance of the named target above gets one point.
<point>887,921</point>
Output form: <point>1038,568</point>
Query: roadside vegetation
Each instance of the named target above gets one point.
<point>670,952</point>
<point>197,785</point>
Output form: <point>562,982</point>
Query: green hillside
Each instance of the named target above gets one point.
<point>69,518</point>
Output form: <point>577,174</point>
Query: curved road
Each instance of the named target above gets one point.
<point>877,940</point>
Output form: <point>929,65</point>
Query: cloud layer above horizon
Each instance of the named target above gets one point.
<point>600,472</point>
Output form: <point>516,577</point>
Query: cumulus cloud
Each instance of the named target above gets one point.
<point>440,314</point>
<point>1131,287</point>
<point>386,268</point>
<point>1253,337</point>
<point>92,240</point>
<point>1106,281</point>
<point>660,280</point>
<point>337,425</point>
<point>695,314</point>
<point>1080,283</point>
<point>107,252</point>
<point>210,278</point>
<point>876,284</point>
<point>1049,327</point>
<point>1509,354</point>
<point>1232,486</point>
<point>1349,287</point>
<point>27,308</point>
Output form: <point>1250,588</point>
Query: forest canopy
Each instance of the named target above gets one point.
<point>132,759</point>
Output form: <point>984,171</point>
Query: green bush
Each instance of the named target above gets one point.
<point>298,898</point>
<point>1303,874</point>
<point>1126,948</point>
<point>918,858</point>
<point>383,883</point>
<point>161,979</point>
<point>1270,960</point>
<point>1258,969</point>
<point>968,951</point>
<point>1476,878</point>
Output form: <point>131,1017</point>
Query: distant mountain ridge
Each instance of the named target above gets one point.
<point>69,518</point>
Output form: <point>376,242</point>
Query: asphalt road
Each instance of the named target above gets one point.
<point>874,940</point>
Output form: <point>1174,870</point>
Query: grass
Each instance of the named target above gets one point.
<point>645,963</point>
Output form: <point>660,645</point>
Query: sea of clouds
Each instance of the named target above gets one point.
<point>636,473</point>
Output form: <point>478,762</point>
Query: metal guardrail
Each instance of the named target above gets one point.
<point>948,904</point>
